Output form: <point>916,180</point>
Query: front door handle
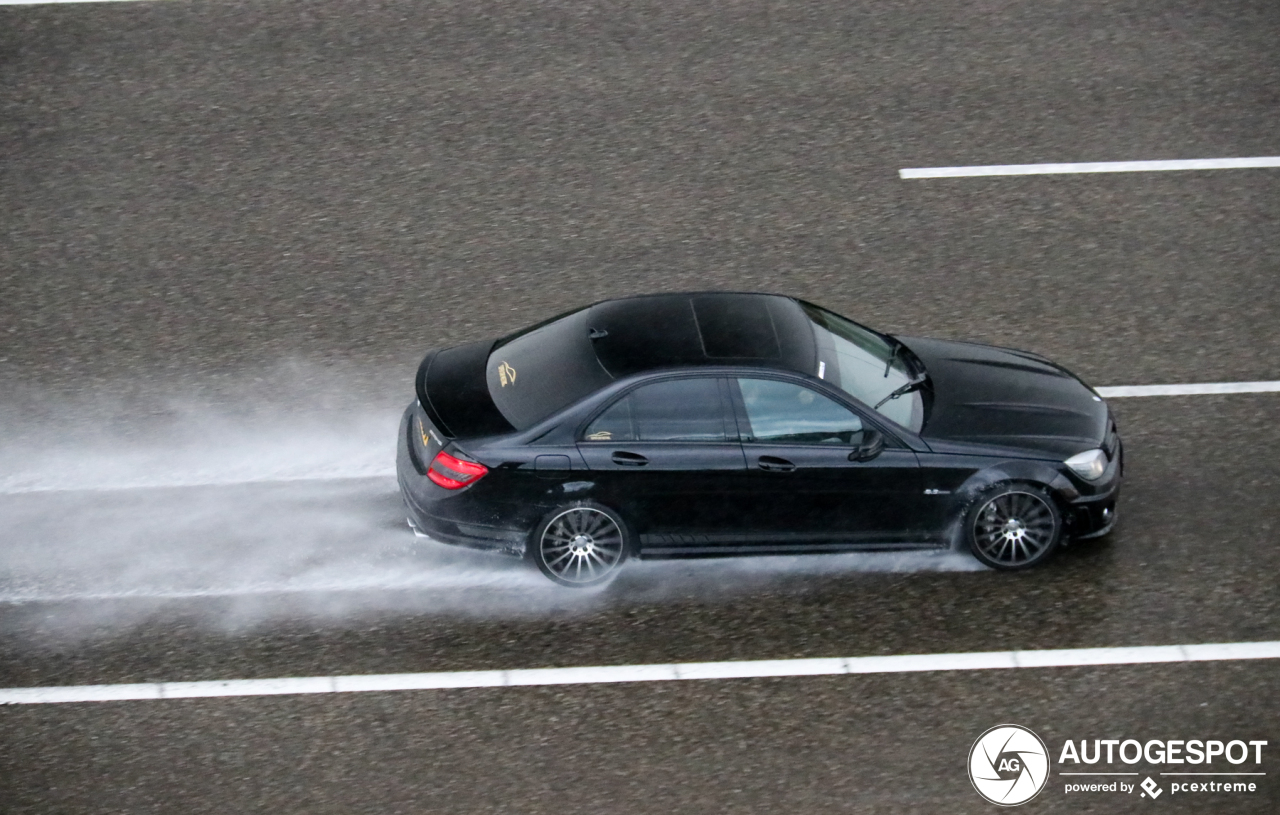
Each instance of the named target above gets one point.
<point>629,459</point>
<point>775,465</point>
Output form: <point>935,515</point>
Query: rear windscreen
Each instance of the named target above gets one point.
<point>550,367</point>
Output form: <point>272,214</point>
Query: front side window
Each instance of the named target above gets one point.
<point>786,413</point>
<point>672,410</point>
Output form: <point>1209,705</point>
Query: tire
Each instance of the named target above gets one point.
<point>581,544</point>
<point>1013,526</point>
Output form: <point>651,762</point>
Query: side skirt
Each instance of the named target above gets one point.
<point>738,549</point>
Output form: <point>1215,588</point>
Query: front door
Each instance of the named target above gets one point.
<point>666,456</point>
<point>803,488</point>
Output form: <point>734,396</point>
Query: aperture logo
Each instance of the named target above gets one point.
<point>1008,765</point>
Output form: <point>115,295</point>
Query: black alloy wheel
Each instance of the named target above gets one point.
<point>1014,526</point>
<point>580,545</point>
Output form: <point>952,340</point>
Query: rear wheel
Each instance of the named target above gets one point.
<point>1014,526</point>
<point>580,545</point>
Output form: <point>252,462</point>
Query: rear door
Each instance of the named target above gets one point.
<point>802,489</point>
<point>666,455</point>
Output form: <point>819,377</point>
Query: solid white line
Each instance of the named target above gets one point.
<point>1102,656</point>
<point>1092,167</point>
<point>51,2</point>
<point>1200,389</point>
<point>608,674</point>
<point>356,473</point>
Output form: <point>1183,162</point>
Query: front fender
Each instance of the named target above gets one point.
<point>1041,473</point>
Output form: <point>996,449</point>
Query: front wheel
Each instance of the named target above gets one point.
<point>580,545</point>
<point>1014,526</point>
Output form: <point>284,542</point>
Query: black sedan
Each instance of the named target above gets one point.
<point>707,424</point>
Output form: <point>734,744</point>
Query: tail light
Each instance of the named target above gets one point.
<point>454,473</point>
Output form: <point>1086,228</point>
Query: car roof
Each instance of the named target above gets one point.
<point>637,334</point>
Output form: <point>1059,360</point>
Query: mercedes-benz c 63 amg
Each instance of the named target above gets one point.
<point>711,424</point>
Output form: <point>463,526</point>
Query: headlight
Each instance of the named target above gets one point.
<point>1089,465</point>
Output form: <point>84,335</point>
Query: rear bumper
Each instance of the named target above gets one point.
<point>448,517</point>
<point>473,536</point>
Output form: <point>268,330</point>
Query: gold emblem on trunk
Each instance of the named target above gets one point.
<point>506,374</point>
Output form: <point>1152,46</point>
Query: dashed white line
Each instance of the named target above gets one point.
<point>52,2</point>
<point>22,484</point>
<point>1092,167</point>
<point>608,674</point>
<point>1201,389</point>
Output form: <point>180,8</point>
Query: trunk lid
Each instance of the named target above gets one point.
<point>453,390</point>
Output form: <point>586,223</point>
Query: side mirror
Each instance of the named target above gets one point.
<point>872,445</point>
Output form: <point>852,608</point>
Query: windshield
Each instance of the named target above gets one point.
<point>865,365</point>
<point>546,368</point>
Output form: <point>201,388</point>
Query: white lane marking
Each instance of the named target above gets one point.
<point>51,2</point>
<point>1092,167</point>
<point>354,473</point>
<point>608,674</point>
<point>1201,389</point>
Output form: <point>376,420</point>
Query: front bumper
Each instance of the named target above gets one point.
<point>1093,515</point>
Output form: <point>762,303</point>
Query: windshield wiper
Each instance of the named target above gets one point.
<point>907,387</point>
<point>889,364</point>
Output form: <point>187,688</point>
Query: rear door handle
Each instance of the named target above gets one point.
<point>775,465</point>
<point>629,459</point>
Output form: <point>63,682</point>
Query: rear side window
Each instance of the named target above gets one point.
<point>672,410</point>
<point>615,424</point>
<point>543,370</point>
<point>786,413</point>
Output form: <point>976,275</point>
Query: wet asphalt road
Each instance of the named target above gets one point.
<point>1192,560</point>
<point>194,192</point>
<point>852,744</point>
<point>262,204</point>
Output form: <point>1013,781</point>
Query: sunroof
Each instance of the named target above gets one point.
<point>642,333</point>
<point>736,326</point>
<point>670,330</point>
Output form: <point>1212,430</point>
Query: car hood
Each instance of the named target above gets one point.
<point>999,397</point>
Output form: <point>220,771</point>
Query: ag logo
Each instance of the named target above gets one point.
<point>1008,765</point>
